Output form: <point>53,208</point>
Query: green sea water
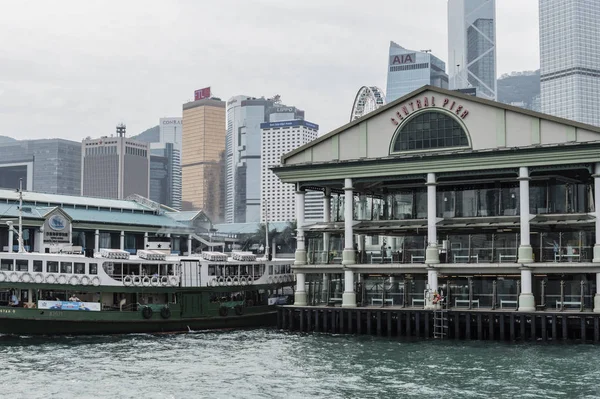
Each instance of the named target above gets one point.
<point>272,364</point>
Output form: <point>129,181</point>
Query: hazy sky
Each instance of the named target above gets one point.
<point>73,68</point>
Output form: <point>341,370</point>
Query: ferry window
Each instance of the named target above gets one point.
<point>22,265</point>
<point>270,269</point>
<point>37,266</point>
<point>52,267</point>
<point>6,264</point>
<point>66,267</point>
<point>79,268</point>
<point>211,270</point>
<point>93,268</point>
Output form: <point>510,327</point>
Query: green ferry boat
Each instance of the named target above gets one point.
<point>113,292</point>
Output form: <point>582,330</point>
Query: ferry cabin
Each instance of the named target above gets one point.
<point>117,280</point>
<point>493,205</point>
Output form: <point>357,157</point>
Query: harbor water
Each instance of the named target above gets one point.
<point>273,364</point>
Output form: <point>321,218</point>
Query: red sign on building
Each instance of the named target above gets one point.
<point>202,93</point>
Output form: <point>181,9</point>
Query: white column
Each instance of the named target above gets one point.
<point>300,294</point>
<point>349,296</point>
<point>189,244</point>
<point>432,279</point>
<point>97,241</point>
<point>146,240</point>
<point>525,250</point>
<point>432,254</point>
<point>432,286</point>
<point>325,290</point>
<point>597,296</point>
<point>300,244</point>
<point>526,299</point>
<point>122,241</point>
<point>40,239</point>
<point>326,218</point>
<point>10,238</point>
<point>348,254</point>
<point>597,211</point>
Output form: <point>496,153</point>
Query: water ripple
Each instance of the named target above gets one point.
<point>271,364</point>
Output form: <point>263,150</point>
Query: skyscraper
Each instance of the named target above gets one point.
<point>50,166</point>
<point>570,59</point>
<point>278,199</point>
<point>165,174</point>
<point>170,131</point>
<point>472,46</point>
<point>243,149</point>
<point>203,139</point>
<point>115,167</point>
<point>408,70</point>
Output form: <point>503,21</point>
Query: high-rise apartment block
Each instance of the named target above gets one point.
<point>165,174</point>
<point>243,152</point>
<point>570,59</point>
<point>115,167</point>
<point>472,46</point>
<point>409,70</point>
<point>50,166</point>
<point>202,157</point>
<point>278,199</point>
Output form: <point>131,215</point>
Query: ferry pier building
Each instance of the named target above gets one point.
<point>489,205</point>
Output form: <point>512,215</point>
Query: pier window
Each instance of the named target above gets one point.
<point>22,265</point>
<point>430,130</point>
<point>37,266</point>
<point>52,266</point>
<point>93,268</point>
<point>66,267</point>
<point>6,264</point>
<point>79,268</point>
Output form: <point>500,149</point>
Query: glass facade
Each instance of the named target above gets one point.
<point>56,164</point>
<point>410,70</point>
<point>472,46</point>
<point>570,59</point>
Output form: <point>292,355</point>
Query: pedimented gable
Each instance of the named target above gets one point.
<point>435,120</point>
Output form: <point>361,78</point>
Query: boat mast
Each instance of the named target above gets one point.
<point>20,238</point>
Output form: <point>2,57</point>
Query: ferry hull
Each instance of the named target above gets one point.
<point>29,324</point>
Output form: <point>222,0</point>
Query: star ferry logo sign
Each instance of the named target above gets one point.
<point>413,105</point>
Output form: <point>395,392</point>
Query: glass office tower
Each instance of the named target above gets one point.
<point>570,59</point>
<point>409,70</point>
<point>472,46</point>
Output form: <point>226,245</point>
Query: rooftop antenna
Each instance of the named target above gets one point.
<point>426,51</point>
<point>121,128</point>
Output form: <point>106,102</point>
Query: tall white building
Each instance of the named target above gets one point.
<point>170,130</point>
<point>243,147</point>
<point>472,46</point>
<point>279,199</point>
<point>570,59</point>
<point>409,70</point>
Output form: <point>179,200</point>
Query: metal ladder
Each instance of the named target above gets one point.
<point>440,323</point>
